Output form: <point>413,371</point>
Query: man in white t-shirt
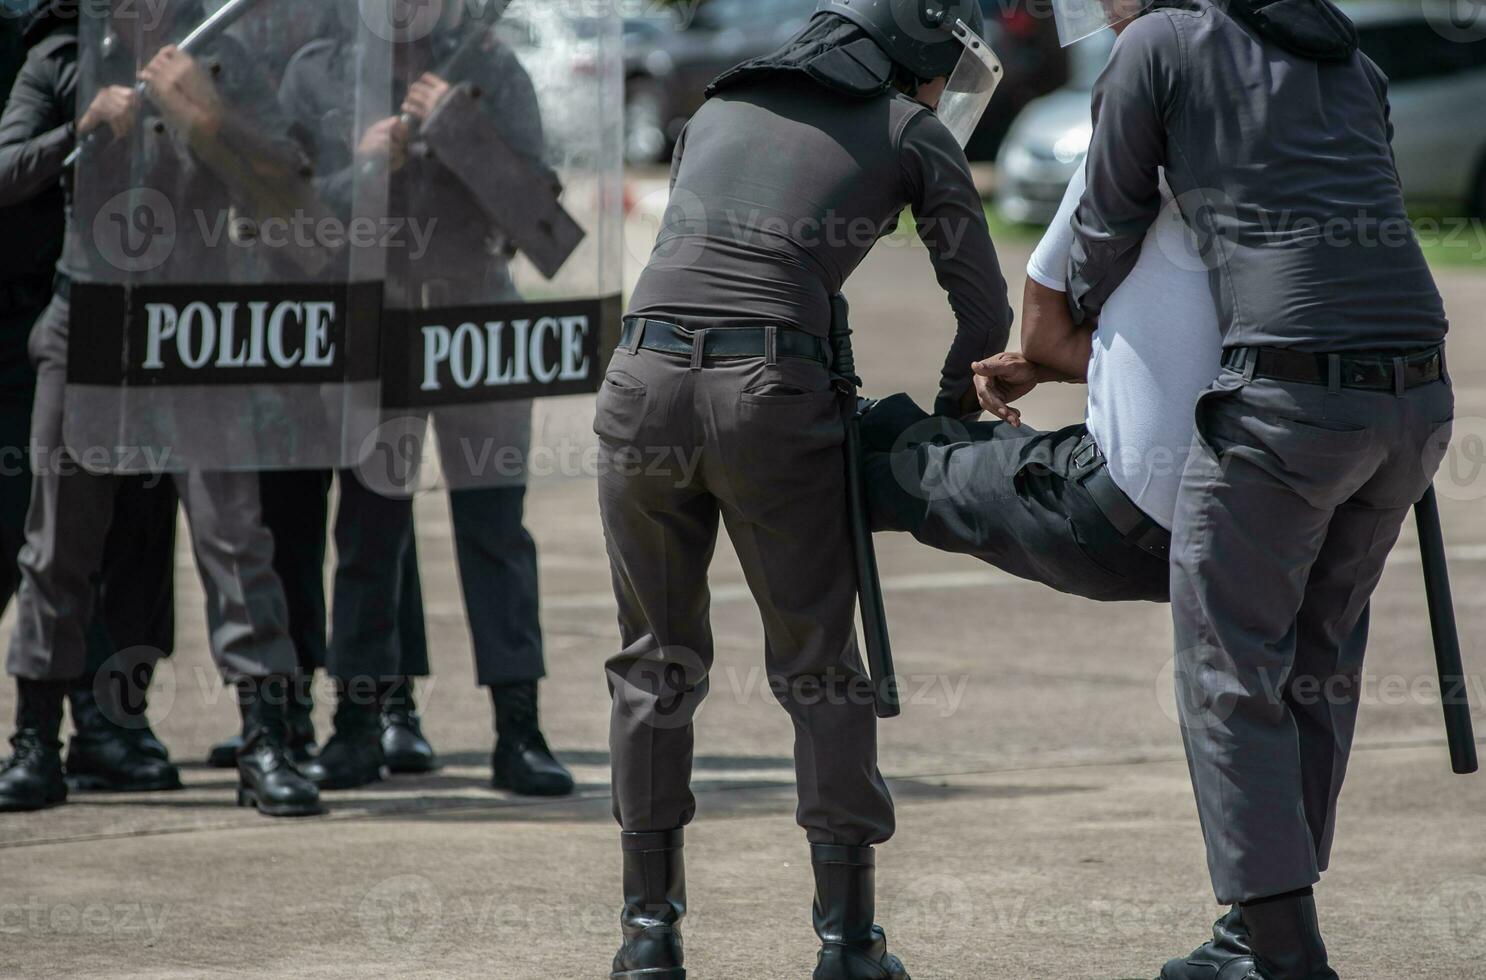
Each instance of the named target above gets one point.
<point>1087,509</point>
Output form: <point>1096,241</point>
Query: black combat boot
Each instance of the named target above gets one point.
<point>267,777</point>
<point>1226,956</point>
<point>32,779</point>
<point>654,904</point>
<point>852,947</point>
<point>1286,937</point>
<point>522,762</point>
<point>301,729</point>
<point>101,754</point>
<point>403,744</point>
<point>352,756</point>
<point>138,729</point>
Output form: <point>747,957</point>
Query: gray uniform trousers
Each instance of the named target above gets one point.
<point>758,445</point>
<point>1009,495</point>
<point>70,518</point>
<point>377,619</point>
<point>1292,498</point>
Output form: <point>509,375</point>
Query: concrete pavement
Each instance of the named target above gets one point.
<point>1046,826</point>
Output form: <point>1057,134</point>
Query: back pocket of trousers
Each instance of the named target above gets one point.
<point>620,410</point>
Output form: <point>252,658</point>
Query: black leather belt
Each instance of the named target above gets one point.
<point>658,335</point>
<point>1131,523</point>
<point>1395,371</point>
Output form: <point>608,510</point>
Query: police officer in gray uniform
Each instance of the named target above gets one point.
<point>1319,436</point>
<point>72,509</point>
<point>376,638</point>
<point>724,359</point>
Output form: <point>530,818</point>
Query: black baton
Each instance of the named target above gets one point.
<point>869,584</point>
<point>1453,690</point>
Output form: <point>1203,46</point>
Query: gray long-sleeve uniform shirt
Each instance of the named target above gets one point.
<point>780,188</point>
<point>1282,166</point>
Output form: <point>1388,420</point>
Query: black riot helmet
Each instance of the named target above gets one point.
<point>917,34</point>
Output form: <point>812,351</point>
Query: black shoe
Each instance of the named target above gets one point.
<point>267,778</point>
<point>403,744</point>
<point>654,905</point>
<point>32,778</point>
<point>223,755</point>
<point>299,738</point>
<point>132,721</point>
<point>522,762</point>
<point>1286,938</point>
<point>1226,956</point>
<point>146,742</point>
<point>103,756</point>
<point>852,947</point>
<point>353,755</point>
<point>299,719</point>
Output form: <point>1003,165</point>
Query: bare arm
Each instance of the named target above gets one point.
<point>1050,338</point>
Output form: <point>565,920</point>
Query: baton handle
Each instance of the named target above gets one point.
<point>204,33</point>
<point>1453,687</point>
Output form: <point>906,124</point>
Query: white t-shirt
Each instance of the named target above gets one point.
<point>1157,348</point>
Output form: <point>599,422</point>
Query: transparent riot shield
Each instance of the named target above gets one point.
<point>224,245</point>
<point>503,289</point>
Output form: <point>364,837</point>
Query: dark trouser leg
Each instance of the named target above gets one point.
<point>372,536</point>
<point>1003,494</point>
<point>659,547</point>
<point>15,487</point>
<point>498,572</point>
<point>17,391</point>
<point>296,511</point>
<point>780,476</point>
<point>68,521</point>
<point>371,540</point>
<point>132,629</point>
<point>247,614</point>
<point>1282,533</point>
<point>660,538</point>
<point>412,627</point>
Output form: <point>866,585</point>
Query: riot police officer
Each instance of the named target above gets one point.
<point>1320,434</point>
<point>113,746</point>
<point>724,356</point>
<point>377,644</point>
<point>72,507</point>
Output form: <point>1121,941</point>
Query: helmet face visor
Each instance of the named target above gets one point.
<point>1078,19</point>
<point>971,86</point>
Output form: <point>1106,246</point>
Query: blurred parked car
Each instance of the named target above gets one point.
<point>1035,63</point>
<point>1436,86</point>
<point>669,63</point>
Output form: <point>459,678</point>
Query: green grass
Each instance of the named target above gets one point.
<point>1449,238</point>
